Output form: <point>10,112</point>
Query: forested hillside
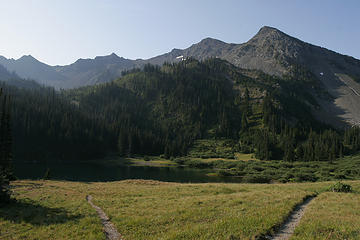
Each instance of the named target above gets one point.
<point>163,110</point>
<point>45,126</point>
<point>5,147</point>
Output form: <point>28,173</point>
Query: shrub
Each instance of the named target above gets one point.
<point>180,161</point>
<point>146,158</point>
<point>198,164</point>
<point>340,187</point>
<point>224,173</point>
<point>257,179</point>
<point>258,168</point>
<point>301,176</point>
<point>340,176</point>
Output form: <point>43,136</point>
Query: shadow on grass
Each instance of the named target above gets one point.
<point>35,214</point>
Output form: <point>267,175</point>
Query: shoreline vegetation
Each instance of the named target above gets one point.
<point>250,169</point>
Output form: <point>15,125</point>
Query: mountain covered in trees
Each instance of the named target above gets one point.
<point>279,54</point>
<point>5,147</point>
<point>270,51</point>
<point>162,110</point>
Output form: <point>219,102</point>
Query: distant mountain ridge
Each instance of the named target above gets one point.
<point>93,71</point>
<point>80,73</point>
<point>28,67</point>
<point>12,79</point>
<point>270,51</point>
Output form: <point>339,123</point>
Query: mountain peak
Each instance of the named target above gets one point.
<point>112,57</point>
<point>210,41</point>
<point>268,34</point>
<point>268,29</point>
<point>27,57</point>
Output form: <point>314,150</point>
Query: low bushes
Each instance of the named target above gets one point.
<point>340,187</point>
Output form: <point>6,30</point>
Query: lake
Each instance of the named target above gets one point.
<point>95,172</point>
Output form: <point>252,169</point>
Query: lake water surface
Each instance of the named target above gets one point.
<point>95,172</point>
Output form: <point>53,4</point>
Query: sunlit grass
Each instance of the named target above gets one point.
<point>158,210</point>
<point>49,210</point>
<point>155,210</point>
<point>332,216</point>
<point>150,161</point>
<point>244,156</point>
<point>211,148</point>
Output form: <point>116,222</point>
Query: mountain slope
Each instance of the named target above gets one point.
<point>6,75</point>
<point>277,53</point>
<point>30,68</point>
<point>163,110</point>
<point>270,51</point>
<point>81,73</point>
<point>13,79</point>
<point>93,71</point>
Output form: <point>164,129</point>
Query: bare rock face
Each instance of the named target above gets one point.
<point>269,50</point>
<point>275,53</point>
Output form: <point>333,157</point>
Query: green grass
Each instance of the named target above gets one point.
<point>249,169</point>
<point>332,216</point>
<point>254,170</point>
<point>237,157</point>
<point>211,148</point>
<point>159,210</point>
<point>220,156</point>
<point>150,161</point>
<point>154,210</point>
<point>255,119</point>
<point>49,210</point>
<point>244,156</point>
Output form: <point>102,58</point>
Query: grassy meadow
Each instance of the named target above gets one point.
<point>332,216</point>
<point>160,210</point>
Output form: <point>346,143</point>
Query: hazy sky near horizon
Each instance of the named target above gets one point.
<point>58,32</point>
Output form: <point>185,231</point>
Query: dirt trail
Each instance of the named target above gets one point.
<point>288,227</point>
<point>109,228</point>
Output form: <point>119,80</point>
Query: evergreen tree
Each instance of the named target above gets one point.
<point>5,149</point>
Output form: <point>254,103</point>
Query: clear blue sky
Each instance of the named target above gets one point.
<point>61,31</point>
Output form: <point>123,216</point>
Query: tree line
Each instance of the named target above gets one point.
<point>162,110</point>
<point>5,147</point>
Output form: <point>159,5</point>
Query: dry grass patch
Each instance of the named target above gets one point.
<point>196,211</point>
<point>332,216</point>
<point>49,210</point>
<point>244,156</point>
<point>142,209</point>
<point>152,161</point>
